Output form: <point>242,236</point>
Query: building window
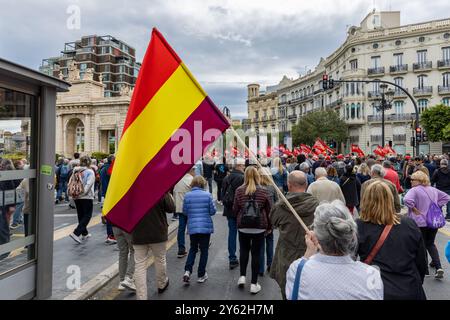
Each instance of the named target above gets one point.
<point>79,137</point>
<point>376,62</point>
<point>422,56</point>
<point>421,39</point>
<point>358,111</point>
<point>398,106</point>
<point>423,104</point>
<point>400,148</point>
<point>283,98</point>
<point>446,79</point>
<point>347,112</point>
<point>83,66</point>
<point>376,87</point>
<point>446,102</point>
<point>375,46</point>
<point>446,53</point>
<point>354,64</point>
<point>446,35</point>
<point>353,111</point>
<point>398,42</point>
<point>398,59</point>
<point>421,81</point>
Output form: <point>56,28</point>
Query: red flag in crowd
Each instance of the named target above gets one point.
<point>379,151</point>
<point>305,148</point>
<point>388,150</point>
<point>357,149</point>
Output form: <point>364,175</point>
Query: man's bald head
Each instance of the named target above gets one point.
<point>297,181</point>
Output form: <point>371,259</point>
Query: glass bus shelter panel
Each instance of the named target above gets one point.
<point>17,179</point>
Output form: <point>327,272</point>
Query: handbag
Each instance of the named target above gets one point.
<point>435,218</point>
<point>379,244</point>
<point>298,275</point>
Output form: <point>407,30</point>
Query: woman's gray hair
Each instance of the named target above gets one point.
<point>378,170</point>
<point>304,167</point>
<point>335,229</point>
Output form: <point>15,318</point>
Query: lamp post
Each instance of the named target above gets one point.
<point>382,104</point>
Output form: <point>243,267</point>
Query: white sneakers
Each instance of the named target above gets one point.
<point>86,236</point>
<point>241,282</point>
<point>128,284</point>
<point>186,277</point>
<point>203,279</point>
<point>75,238</point>
<point>255,288</point>
<point>439,274</point>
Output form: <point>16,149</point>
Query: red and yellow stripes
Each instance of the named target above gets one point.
<point>166,98</point>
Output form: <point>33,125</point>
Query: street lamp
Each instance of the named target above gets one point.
<point>384,103</point>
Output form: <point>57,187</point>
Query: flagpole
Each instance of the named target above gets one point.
<point>280,194</point>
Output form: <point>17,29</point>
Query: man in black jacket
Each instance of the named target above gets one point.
<point>441,178</point>
<point>230,184</point>
<point>150,236</point>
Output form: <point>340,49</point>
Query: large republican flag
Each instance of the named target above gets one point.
<point>166,99</point>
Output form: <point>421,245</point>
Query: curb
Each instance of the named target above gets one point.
<point>102,279</point>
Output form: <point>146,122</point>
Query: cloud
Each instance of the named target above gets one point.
<point>229,43</point>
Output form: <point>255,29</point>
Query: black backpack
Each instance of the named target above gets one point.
<point>228,194</point>
<point>251,216</point>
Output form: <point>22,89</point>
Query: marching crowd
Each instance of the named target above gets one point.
<point>352,207</point>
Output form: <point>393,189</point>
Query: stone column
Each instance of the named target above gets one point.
<point>87,133</point>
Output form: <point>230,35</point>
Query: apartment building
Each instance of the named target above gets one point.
<point>415,56</point>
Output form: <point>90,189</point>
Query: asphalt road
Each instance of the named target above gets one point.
<point>222,282</point>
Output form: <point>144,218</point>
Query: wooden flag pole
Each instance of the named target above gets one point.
<point>280,194</point>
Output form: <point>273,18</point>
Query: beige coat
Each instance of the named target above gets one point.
<point>326,190</point>
<point>181,188</point>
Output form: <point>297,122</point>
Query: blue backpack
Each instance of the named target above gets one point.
<point>64,171</point>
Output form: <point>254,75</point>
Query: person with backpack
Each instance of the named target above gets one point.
<point>63,177</point>
<point>233,181</point>
<point>393,243</point>
<point>198,205</point>
<point>441,179</point>
<point>220,172</point>
<point>424,201</point>
<point>81,189</point>
<point>252,206</point>
<point>351,188</point>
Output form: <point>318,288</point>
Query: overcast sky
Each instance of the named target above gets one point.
<point>226,44</point>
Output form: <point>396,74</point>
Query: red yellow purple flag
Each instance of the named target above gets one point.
<point>170,122</point>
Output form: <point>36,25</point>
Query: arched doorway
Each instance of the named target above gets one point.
<point>74,136</point>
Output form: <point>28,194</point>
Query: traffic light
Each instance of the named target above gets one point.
<point>413,141</point>
<point>390,143</point>
<point>332,144</point>
<point>330,84</point>
<point>325,82</point>
<point>424,136</point>
<point>419,134</point>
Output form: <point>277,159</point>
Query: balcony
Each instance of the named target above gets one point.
<point>399,137</point>
<point>273,117</point>
<point>444,90</point>
<point>372,95</point>
<point>398,69</point>
<point>422,66</point>
<point>444,64</point>
<point>375,138</point>
<point>399,94</point>
<point>371,72</point>
<point>392,117</point>
<point>354,73</point>
<point>292,117</point>
<point>423,91</point>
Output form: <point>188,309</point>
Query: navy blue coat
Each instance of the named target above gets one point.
<point>198,205</point>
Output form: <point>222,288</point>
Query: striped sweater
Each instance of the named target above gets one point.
<point>262,199</point>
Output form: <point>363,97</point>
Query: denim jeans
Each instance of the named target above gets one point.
<point>109,229</point>
<point>198,241</point>
<point>210,186</point>
<point>17,217</point>
<point>232,236</point>
<point>62,188</point>
<point>182,223</point>
<point>267,249</point>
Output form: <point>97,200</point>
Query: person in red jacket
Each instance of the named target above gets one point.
<point>392,175</point>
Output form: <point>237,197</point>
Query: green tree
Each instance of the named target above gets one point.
<point>436,121</point>
<point>323,124</point>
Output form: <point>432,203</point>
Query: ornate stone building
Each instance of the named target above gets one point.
<point>86,120</point>
<point>415,56</point>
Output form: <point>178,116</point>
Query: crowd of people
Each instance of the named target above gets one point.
<point>352,206</point>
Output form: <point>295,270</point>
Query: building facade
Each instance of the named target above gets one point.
<point>416,57</point>
<point>262,109</point>
<point>111,59</point>
<point>86,120</point>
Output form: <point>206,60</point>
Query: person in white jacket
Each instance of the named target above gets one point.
<point>181,188</point>
<point>84,202</point>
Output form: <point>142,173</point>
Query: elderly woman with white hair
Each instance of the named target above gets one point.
<point>327,271</point>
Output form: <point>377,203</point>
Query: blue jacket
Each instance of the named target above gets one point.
<point>104,178</point>
<point>198,205</point>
